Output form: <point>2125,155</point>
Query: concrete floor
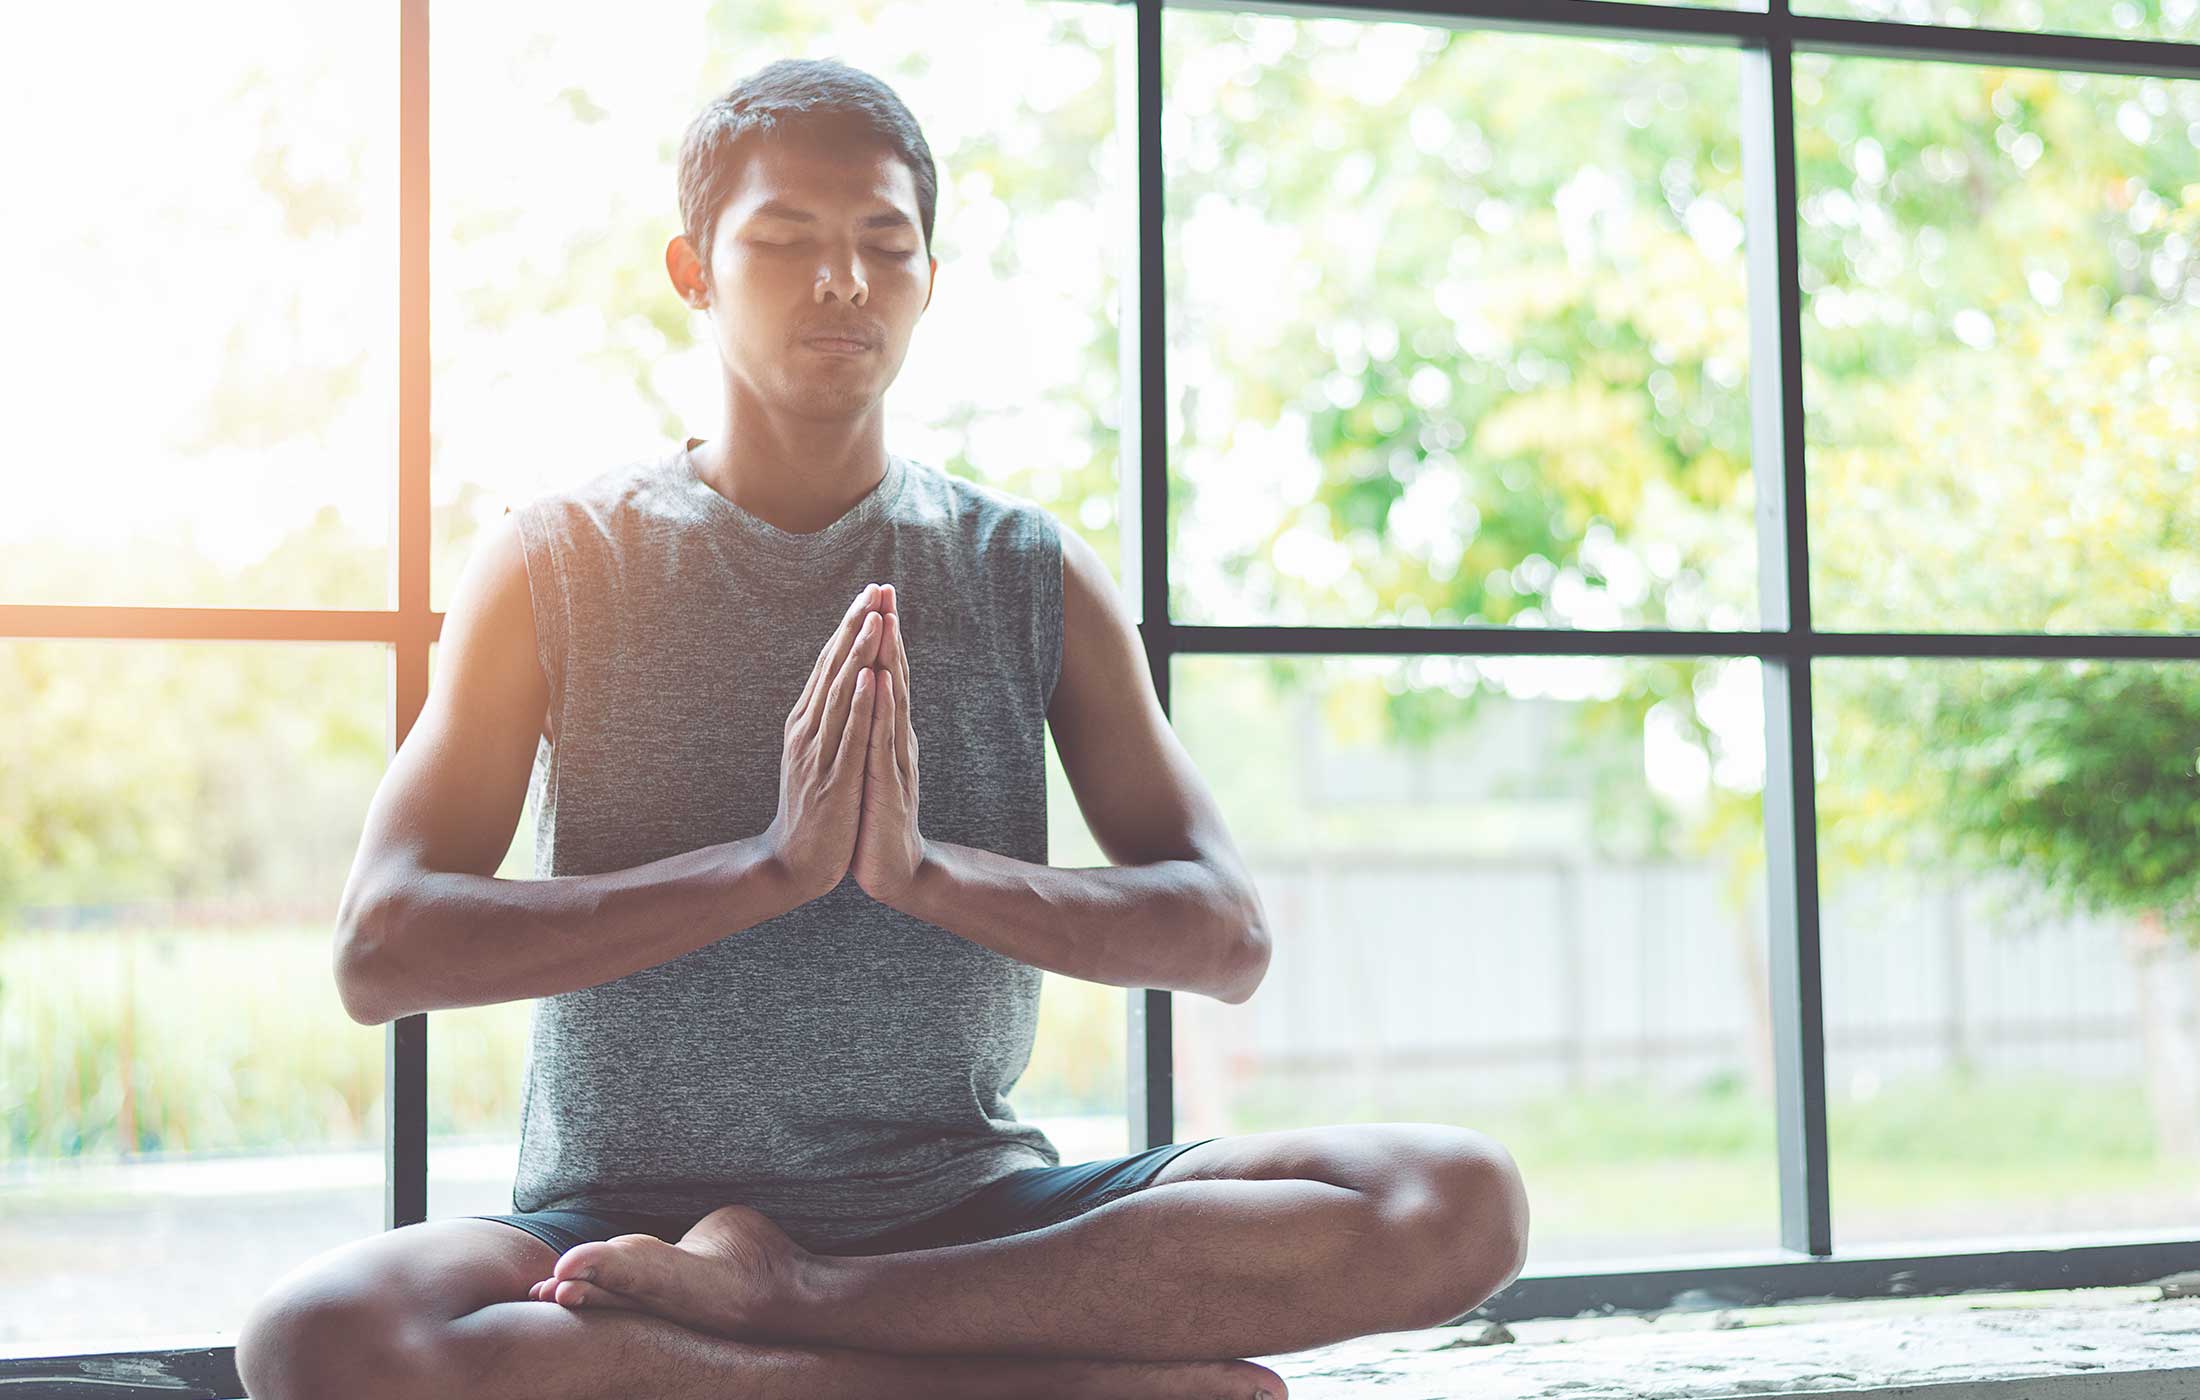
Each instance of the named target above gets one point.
<point>2096,1344</point>
<point>2100,1344</point>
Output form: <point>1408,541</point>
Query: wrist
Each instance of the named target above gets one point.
<point>791,886</point>
<point>928,883</point>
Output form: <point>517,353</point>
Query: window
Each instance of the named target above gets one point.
<point>1458,327</point>
<point>2001,346</point>
<point>1518,894</point>
<point>1483,351</point>
<point>199,270</point>
<point>181,1081</point>
<point>2007,964</point>
<point>1630,464</point>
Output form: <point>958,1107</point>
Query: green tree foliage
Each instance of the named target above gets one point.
<point>176,770</point>
<point>2005,379</point>
<point>1516,347</point>
<point>2000,369</point>
<point>1458,334</point>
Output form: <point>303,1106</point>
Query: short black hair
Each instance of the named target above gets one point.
<point>818,89</point>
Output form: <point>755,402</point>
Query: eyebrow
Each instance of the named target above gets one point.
<point>780,209</point>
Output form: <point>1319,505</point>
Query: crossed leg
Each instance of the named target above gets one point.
<point>1247,1246</point>
<point>438,1311</point>
<point>1254,1245</point>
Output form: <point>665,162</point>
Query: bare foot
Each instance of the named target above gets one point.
<point>733,1269</point>
<point>727,1275</point>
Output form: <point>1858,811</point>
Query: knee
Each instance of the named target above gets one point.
<point>311,1336</point>
<point>1464,1223</point>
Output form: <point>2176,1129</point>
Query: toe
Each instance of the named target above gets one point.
<point>579,1260</point>
<point>629,1265</point>
<point>588,1295</point>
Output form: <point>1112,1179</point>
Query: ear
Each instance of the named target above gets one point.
<point>684,268</point>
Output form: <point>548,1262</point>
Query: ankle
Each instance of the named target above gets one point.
<point>814,1284</point>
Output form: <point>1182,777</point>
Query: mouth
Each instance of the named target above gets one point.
<point>834,345</point>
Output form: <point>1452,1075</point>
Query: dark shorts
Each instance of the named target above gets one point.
<point>1028,1199</point>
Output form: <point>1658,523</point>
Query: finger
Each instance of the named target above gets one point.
<point>882,722</point>
<point>859,713</point>
<point>827,655</point>
<point>802,717</point>
<point>905,746</point>
<point>891,750</point>
<point>837,648</point>
<point>900,654</point>
<point>829,658</point>
<point>839,703</point>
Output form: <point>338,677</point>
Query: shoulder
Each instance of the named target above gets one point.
<point>608,504</point>
<point>989,517</point>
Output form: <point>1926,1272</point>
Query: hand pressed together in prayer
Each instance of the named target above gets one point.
<point>889,849</point>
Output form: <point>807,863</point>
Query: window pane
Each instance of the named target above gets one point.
<point>2001,344</point>
<point>1518,894</point>
<point>561,348</point>
<point>189,1111</point>
<point>2009,915</point>
<point>2123,19</point>
<point>1457,328</point>
<point>199,280</point>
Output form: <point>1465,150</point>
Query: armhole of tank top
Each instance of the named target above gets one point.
<point>1049,567</point>
<point>546,600</point>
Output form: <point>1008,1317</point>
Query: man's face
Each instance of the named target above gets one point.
<point>856,265</point>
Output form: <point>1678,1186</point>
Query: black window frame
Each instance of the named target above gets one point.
<point>1804,1264</point>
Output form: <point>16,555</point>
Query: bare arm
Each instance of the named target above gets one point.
<point>425,925</point>
<point>1177,910</point>
<point>1178,925</point>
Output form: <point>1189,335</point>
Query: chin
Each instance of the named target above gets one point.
<point>821,402</point>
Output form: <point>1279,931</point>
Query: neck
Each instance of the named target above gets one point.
<point>800,477</point>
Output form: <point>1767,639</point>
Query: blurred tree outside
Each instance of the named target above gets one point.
<point>1507,384</point>
<point>1999,275</point>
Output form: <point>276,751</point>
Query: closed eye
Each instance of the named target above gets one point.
<point>874,247</point>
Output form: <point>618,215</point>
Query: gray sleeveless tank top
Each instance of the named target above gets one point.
<point>844,1068</point>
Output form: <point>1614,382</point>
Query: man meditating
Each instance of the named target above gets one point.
<point>784,693</point>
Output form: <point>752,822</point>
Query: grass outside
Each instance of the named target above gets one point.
<point>1602,1160</point>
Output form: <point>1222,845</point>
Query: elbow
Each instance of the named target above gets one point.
<point>353,988</point>
<point>1253,964</point>
<point>1249,946</point>
<point>361,959</point>
<point>355,993</point>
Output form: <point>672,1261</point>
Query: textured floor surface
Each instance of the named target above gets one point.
<point>2103,1344</point>
<point>2138,1343</point>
